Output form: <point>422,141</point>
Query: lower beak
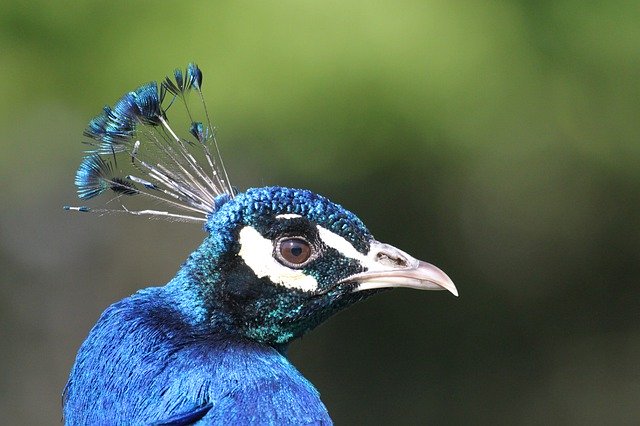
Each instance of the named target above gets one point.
<point>389,267</point>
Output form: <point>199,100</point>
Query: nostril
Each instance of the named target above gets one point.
<point>390,260</point>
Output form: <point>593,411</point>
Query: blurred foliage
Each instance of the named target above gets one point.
<point>498,140</point>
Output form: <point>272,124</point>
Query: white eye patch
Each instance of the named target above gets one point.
<point>339,243</point>
<point>257,253</point>
<point>345,248</point>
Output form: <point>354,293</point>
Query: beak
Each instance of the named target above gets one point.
<point>389,267</point>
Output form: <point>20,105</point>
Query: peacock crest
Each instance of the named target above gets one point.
<point>135,152</point>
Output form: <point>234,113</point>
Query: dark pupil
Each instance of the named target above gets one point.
<point>295,250</point>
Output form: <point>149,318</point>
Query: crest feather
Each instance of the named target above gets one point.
<point>136,152</point>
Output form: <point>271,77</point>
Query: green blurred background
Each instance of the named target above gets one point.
<point>498,140</point>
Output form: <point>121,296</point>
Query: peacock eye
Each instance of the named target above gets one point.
<point>293,252</point>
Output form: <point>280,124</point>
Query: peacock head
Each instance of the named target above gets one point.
<point>279,261</point>
<point>276,261</point>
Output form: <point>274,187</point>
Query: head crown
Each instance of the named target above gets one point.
<point>278,201</point>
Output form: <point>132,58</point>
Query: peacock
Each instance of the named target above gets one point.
<point>210,346</point>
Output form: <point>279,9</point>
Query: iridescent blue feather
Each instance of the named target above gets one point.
<point>166,164</point>
<point>94,177</point>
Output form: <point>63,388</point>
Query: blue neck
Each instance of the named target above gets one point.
<point>143,363</point>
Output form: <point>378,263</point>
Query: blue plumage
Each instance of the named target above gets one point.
<point>210,346</point>
<point>143,363</point>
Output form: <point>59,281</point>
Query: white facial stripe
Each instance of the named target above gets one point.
<point>344,247</point>
<point>288,216</point>
<point>339,243</point>
<point>257,253</point>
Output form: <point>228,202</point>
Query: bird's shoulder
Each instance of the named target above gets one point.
<point>143,363</point>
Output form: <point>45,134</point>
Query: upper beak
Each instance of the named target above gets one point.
<point>389,267</point>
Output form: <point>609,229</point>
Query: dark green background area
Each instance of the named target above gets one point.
<point>497,140</point>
